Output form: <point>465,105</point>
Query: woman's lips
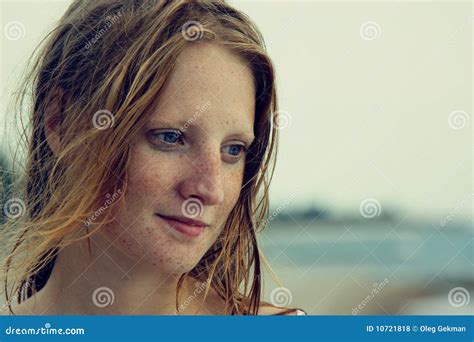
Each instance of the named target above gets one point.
<point>184,228</point>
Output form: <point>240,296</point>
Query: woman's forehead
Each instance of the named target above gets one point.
<point>209,83</point>
<point>209,70</point>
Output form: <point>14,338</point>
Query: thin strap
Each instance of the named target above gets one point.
<point>300,312</point>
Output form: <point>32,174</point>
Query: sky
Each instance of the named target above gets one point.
<point>376,97</point>
<point>370,88</point>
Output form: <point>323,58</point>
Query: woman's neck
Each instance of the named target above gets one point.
<point>106,282</point>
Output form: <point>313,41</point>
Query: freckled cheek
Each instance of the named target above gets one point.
<point>235,179</point>
<point>123,239</point>
<point>234,191</point>
<point>233,187</point>
<point>150,175</point>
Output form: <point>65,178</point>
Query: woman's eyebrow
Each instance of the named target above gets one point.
<point>250,137</point>
<point>175,123</point>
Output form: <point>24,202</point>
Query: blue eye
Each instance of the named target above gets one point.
<point>236,149</point>
<point>170,137</point>
<point>235,153</point>
<point>167,138</point>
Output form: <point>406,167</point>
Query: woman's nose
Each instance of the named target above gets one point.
<point>204,181</point>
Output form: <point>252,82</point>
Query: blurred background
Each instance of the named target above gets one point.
<point>372,199</point>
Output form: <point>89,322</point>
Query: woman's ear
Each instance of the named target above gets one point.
<point>51,121</point>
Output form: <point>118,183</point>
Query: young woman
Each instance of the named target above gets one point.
<point>149,159</point>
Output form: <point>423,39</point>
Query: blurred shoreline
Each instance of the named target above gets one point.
<point>331,266</point>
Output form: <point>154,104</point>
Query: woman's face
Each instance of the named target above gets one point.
<point>189,160</point>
